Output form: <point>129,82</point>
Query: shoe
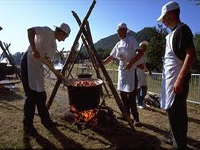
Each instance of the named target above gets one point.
<point>30,129</point>
<point>137,123</point>
<point>140,107</point>
<point>121,118</point>
<point>166,140</point>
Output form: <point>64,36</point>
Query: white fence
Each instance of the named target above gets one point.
<point>154,84</point>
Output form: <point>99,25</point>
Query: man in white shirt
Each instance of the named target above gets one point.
<point>141,76</point>
<point>42,45</point>
<point>125,52</point>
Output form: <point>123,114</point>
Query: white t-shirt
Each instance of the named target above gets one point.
<point>141,72</point>
<point>124,51</point>
<point>45,43</point>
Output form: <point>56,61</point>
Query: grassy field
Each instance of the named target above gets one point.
<point>67,136</point>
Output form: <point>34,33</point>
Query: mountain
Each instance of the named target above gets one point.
<point>110,41</point>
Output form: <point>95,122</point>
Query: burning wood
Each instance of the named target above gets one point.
<point>101,117</point>
<point>86,117</point>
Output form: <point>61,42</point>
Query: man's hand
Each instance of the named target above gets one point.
<point>141,66</point>
<point>129,65</point>
<point>36,54</point>
<point>178,86</point>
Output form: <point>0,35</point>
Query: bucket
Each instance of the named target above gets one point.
<point>3,71</point>
<point>10,70</point>
<point>84,97</point>
<point>84,75</point>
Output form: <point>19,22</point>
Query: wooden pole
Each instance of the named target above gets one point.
<point>108,79</point>
<point>91,55</point>
<point>49,103</point>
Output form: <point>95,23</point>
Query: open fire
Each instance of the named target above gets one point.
<point>92,118</point>
<point>86,118</point>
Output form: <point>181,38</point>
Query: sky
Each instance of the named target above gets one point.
<point>19,15</point>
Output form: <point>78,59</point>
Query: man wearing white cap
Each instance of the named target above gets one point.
<point>178,59</point>
<point>42,44</point>
<point>141,76</point>
<point>125,52</point>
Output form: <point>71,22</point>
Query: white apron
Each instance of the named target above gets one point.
<point>171,68</point>
<point>124,51</point>
<point>45,43</point>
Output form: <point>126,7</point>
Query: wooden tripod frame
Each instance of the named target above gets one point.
<point>87,39</point>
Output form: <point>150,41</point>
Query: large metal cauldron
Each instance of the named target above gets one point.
<point>3,71</point>
<point>83,97</point>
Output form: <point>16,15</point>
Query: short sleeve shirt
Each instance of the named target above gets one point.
<point>45,43</point>
<point>183,39</point>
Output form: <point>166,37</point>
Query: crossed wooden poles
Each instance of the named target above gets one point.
<point>5,49</point>
<point>85,34</point>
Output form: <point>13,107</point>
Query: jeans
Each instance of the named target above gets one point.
<point>141,93</point>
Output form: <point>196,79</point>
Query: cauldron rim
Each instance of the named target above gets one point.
<point>97,82</point>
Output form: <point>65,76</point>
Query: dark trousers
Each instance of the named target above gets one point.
<point>129,100</point>
<point>178,119</point>
<point>33,98</point>
<point>141,93</point>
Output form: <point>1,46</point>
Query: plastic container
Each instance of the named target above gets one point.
<point>3,72</point>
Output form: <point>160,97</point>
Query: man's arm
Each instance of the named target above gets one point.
<point>107,60</point>
<point>31,38</point>
<point>135,59</point>
<point>188,63</point>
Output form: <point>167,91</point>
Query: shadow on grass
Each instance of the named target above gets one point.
<point>195,144</point>
<point>155,110</point>
<point>43,142</point>
<point>197,121</point>
<point>64,140</point>
<point>10,96</point>
<point>122,137</point>
<point>46,144</point>
<point>8,106</point>
<point>92,138</point>
<point>194,120</point>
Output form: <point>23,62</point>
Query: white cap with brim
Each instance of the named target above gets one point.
<point>166,8</point>
<point>65,27</point>
<point>121,25</point>
<point>143,43</point>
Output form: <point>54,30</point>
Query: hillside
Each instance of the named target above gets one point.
<point>110,41</point>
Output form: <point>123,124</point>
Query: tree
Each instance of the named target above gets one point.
<point>197,2</point>
<point>156,47</point>
<point>17,57</point>
<point>196,66</point>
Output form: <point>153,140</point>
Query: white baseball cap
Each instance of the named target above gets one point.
<point>143,43</point>
<point>65,27</point>
<point>121,25</point>
<point>172,5</point>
